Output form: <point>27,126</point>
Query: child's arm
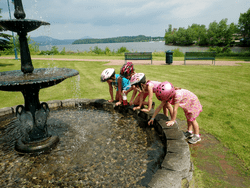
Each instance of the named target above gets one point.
<point>173,116</point>
<point>111,92</point>
<point>119,92</point>
<point>133,95</point>
<point>130,89</point>
<point>170,109</point>
<point>157,110</point>
<point>140,101</point>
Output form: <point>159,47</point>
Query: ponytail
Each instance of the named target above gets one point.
<point>177,88</point>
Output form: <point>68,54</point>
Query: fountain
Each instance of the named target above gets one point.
<point>33,115</point>
<point>118,153</point>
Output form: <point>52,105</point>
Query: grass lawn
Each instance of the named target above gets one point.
<point>222,90</point>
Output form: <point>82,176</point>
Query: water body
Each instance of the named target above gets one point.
<point>133,47</point>
<point>96,149</point>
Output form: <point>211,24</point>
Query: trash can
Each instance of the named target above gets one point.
<point>169,57</point>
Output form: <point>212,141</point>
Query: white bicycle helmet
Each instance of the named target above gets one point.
<point>107,74</point>
<point>137,79</point>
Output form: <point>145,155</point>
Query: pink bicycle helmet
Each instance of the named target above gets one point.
<point>107,74</point>
<point>127,69</point>
<point>165,91</point>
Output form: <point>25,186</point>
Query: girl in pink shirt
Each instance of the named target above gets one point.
<point>185,99</point>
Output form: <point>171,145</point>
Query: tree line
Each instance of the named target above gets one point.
<point>217,34</point>
<point>139,38</point>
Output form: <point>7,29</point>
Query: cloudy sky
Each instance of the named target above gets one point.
<point>75,19</point>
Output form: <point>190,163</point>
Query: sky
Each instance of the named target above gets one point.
<point>76,19</point>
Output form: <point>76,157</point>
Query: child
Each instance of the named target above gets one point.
<point>145,89</point>
<point>109,76</point>
<point>126,71</point>
<point>185,99</point>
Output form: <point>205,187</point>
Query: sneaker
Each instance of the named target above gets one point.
<point>194,139</point>
<point>188,134</point>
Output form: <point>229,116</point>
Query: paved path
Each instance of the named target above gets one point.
<point>140,62</point>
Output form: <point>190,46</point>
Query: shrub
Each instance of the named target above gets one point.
<point>122,50</point>
<point>177,53</point>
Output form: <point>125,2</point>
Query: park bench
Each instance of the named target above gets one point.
<point>200,56</point>
<point>138,56</point>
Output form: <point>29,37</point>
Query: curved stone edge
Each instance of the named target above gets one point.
<point>176,169</point>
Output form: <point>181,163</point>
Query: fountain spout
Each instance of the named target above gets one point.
<point>26,63</point>
<point>19,12</point>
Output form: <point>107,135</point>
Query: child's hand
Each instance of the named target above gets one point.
<point>111,100</point>
<point>136,108</point>
<point>118,103</point>
<point>144,110</point>
<point>150,122</point>
<point>170,123</point>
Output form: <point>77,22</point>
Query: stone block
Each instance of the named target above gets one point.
<point>82,103</point>
<point>161,116</point>
<point>98,103</point>
<point>146,115</point>
<point>6,111</point>
<point>54,104</point>
<point>177,161</point>
<point>174,134</point>
<point>163,124</point>
<point>165,179</point>
<point>69,103</point>
<point>108,106</point>
<point>177,146</point>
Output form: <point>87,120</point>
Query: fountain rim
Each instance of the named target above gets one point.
<point>50,78</point>
<point>26,24</point>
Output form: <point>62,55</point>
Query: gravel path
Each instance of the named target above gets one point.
<point>148,62</point>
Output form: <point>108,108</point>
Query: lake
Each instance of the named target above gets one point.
<point>133,46</point>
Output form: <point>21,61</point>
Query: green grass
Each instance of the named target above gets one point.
<point>222,90</point>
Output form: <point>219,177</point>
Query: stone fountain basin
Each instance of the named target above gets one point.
<point>42,78</point>
<point>24,25</point>
<point>176,167</point>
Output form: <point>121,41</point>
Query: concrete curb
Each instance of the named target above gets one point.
<point>176,168</point>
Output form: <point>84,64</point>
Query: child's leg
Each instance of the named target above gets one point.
<point>165,110</point>
<point>190,126</point>
<point>196,137</point>
<point>137,100</point>
<point>195,127</point>
<point>116,96</point>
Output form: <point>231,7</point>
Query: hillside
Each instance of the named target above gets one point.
<point>139,38</point>
<point>45,40</point>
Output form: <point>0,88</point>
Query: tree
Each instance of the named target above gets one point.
<point>33,46</point>
<point>221,34</point>
<point>244,24</point>
<point>4,39</point>
<point>200,34</point>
